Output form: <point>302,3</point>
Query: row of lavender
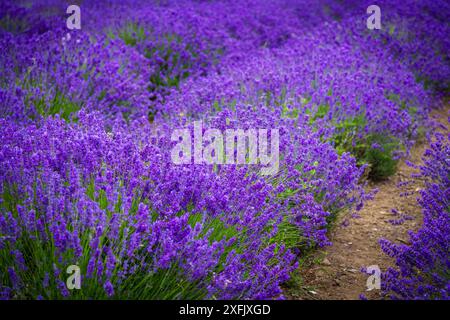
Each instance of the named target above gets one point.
<point>87,117</point>
<point>423,266</point>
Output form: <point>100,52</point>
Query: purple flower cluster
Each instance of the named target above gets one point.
<point>86,117</point>
<point>114,207</point>
<point>422,270</point>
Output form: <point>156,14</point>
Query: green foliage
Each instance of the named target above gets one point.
<point>321,112</point>
<point>381,159</point>
<point>53,103</point>
<point>376,150</point>
<point>162,285</point>
<point>442,87</point>
<point>170,67</point>
<point>60,104</point>
<point>215,227</point>
<point>131,34</point>
<point>346,137</point>
<point>403,103</point>
<point>288,235</point>
<point>14,25</point>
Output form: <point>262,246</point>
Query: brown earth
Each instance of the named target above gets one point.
<point>334,272</point>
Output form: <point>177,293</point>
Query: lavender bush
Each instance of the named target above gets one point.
<point>422,270</point>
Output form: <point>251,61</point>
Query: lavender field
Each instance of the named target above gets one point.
<point>123,174</point>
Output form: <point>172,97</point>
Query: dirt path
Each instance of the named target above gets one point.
<point>355,239</point>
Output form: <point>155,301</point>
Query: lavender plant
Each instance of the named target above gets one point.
<point>422,268</point>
